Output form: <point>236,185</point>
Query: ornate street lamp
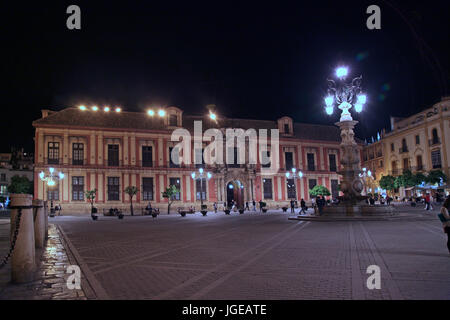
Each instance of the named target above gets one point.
<point>365,175</point>
<point>294,175</point>
<point>201,175</point>
<point>346,95</point>
<point>51,179</point>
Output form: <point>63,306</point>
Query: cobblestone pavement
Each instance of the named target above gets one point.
<point>50,277</point>
<point>257,256</point>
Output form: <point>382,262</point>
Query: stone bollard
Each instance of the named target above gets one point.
<point>23,256</point>
<point>39,223</point>
<point>46,218</point>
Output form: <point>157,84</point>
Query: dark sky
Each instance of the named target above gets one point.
<point>258,60</point>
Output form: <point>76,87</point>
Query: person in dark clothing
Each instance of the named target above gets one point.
<point>292,206</point>
<point>303,206</point>
<point>246,206</point>
<point>446,222</point>
<point>260,205</point>
<point>320,204</point>
<point>254,205</point>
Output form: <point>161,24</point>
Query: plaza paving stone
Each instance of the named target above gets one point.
<point>255,256</point>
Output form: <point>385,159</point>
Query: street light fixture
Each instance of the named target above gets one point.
<point>161,113</point>
<point>201,175</point>
<point>50,179</point>
<point>293,173</point>
<point>151,112</point>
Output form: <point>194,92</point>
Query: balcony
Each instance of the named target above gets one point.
<point>113,163</point>
<point>434,142</point>
<point>403,150</point>
<point>52,161</point>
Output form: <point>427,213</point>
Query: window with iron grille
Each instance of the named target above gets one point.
<point>77,188</point>
<point>436,159</point>
<point>53,193</point>
<point>147,189</point>
<point>311,163</point>
<point>289,160</point>
<point>174,158</point>
<point>312,183</point>
<point>265,159</point>
<point>175,182</point>
<point>334,188</point>
<point>290,188</point>
<point>77,153</point>
<point>267,187</point>
<point>199,184</point>
<point>113,155</point>
<point>147,156</point>
<point>53,153</point>
<point>332,159</point>
<point>113,189</point>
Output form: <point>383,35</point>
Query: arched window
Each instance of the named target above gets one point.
<point>434,133</point>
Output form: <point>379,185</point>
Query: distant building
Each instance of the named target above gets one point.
<point>110,151</point>
<point>419,143</point>
<point>17,162</point>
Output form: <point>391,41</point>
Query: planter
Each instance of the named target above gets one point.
<point>264,210</point>
<point>204,212</point>
<point>241,211</point>
<point>227,211</point>
<point>284,209</point>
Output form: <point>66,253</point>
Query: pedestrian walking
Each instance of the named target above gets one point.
<point>254,205</point>
<point>246,206</point>
<point>320,204</point>
<point>215,207</point>
<point>445,219</point>
<point>292,206</point>
<point>260,205</point>
<point>303,206</point>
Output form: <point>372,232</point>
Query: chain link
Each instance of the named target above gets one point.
<point>13,243</point>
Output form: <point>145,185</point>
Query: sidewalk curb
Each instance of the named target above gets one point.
<point>96,287</point>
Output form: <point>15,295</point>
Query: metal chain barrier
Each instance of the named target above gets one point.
<point>16,233</point>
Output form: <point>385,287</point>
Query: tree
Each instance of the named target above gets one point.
<point>434,176</point>
<point>131,191</point>
<point>387,183</point>
<point>90,195</point>
<point>419,178</point>
<point>406,180</point>
<point>169,193</point>
<point>20,185</point>
<point>319,190</point>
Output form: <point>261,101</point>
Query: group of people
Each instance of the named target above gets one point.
<point>446,220</point>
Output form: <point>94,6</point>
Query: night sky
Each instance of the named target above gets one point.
<point>259,60</point>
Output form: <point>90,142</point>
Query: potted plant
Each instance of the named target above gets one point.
<point>263,206</point>
<point>204,209</point>
<point>90,196</point>
<point>131,191</point>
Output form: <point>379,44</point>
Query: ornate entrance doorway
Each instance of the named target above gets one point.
<point>235,191</point>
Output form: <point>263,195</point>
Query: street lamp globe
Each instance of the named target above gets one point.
<point>341,72</point>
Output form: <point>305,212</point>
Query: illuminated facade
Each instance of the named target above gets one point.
<point>419,143</point>
<point>112,150</point>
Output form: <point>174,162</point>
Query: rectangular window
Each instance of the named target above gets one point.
<point>147,156</point>
<point>405,164</point>
<point>147,189</point>
<point>265,159</point>
<point>419,162</point>
<point>290,188</point>
<point>53,153</point>
<point>113,155</point>
<point>332,159</point>
<point>417,139</point>
<point>334,188</point>
<point>310,160</point>
<point>3,177</point>
<point>173,120</point>
<point>77,154</point>
<point>175,182</point>
<point>394,167</point>
<point>311,184</point>
<point>77,188</point>
<point>267,186</point>
<point>175,158</point>
<point>286,128</point>
<point>113,189</point>
<point>436,159</point>
<point>53,193</point>
<point>200,184</point>
<point>289,160</point>
<point>392,147</point>
<point>199,159</point>
<point>3,189</point>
